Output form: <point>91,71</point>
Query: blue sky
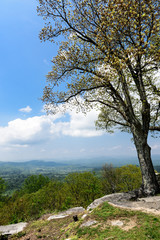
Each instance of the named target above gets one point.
<point>26,132</point>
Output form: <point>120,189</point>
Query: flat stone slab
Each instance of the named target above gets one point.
<point>67,213</point>
<point>58,216</point>
<point>12,228</point>
<point>75,210</point>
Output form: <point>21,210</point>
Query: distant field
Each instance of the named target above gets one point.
<point>15,173</point>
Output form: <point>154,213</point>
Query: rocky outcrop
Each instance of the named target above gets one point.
<point>12,229</point>
<point>113,198</point>
<point>130,201</point>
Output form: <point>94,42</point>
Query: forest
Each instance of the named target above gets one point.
<point>38,194</point>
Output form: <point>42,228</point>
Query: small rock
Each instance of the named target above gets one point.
<point>88,223</point>
<point>83,217</point>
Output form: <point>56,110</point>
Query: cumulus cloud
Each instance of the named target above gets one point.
<point>27,131</point>
<point>26,109</point>
<point>81,125</point>
<point>43,128</point>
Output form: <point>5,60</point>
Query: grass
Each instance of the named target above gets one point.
<point>146,226</point>
<point>137,226</point>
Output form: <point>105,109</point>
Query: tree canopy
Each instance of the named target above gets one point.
<point>34,182</point>
<point>109,57</point>
<point>122,179</point>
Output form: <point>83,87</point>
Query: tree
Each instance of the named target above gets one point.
<point>122,179</point>
<point>34,182</point>
<point>109,179</point>
<point>109,58</point>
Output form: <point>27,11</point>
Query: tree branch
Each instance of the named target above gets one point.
<point>154,129</point>
<point>108,105</point>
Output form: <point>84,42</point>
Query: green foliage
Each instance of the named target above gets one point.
<point>2,189</point>
<point>32,205</point>
<point>2,185</point>
<point>78,189</point>
<point>129,178</point>
<point>123,179</point>
<point>34,183</point>
<point>83,188</point>
<point>109,179</point>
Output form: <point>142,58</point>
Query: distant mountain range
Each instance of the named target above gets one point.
<point>89,162</point>
<point>32,163</point>
<point>115,161</point>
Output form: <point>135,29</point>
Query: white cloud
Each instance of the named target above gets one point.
<point>27,131</point>
<point>46,136</point>
<point>46,127</point>
<point>26,109</point>
<point>80,125</point>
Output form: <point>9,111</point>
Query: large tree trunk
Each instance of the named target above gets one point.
<point>149,182</point>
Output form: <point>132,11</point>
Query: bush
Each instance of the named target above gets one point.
<point>83,188</point>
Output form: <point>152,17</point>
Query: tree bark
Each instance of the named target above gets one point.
<point>150,185</point>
